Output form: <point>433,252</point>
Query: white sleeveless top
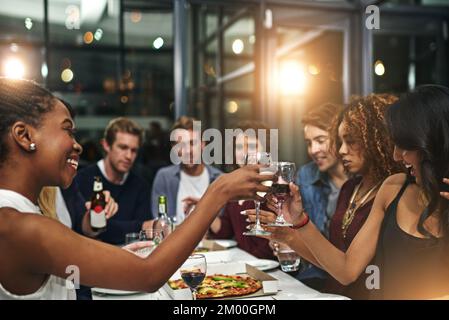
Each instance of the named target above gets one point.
<point>54,288</point>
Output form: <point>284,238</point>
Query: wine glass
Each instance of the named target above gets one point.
<point>193,272</point>
<point>269,169</point>
<point>281,190</point>
<point>152,237</point>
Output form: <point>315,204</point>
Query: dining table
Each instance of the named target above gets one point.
<point>289,288</point>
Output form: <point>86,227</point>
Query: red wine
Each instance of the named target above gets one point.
<point>281,191</point>
<point>193,279</point>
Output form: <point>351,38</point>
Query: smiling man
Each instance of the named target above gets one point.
<point>320,180</point>
<point>122,140</point>
<point>184,183</point>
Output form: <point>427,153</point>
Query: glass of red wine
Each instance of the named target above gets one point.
<point>281,190</point>
<point>193,272</point>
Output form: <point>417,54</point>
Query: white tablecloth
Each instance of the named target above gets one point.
<point>290,288</point>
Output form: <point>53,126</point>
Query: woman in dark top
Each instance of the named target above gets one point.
<point>402,256</point>
<point>407,230</point>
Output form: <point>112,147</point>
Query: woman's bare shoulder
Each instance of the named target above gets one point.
<point>7,217</point>
<point>395,180</point>
<point>390,187</point>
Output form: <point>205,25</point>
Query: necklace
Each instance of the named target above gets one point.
<point>354,206</point>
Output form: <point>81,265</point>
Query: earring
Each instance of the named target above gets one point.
<point>32,146</point>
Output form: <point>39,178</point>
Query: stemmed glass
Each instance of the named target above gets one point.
<point>270,169</point>
<point>193,272</point>
<point>281,190</point>
<point>153,237</point>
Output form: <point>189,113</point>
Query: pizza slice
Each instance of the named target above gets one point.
<point>219,286</point>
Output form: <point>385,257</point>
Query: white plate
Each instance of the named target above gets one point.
<point>227,243</point>
<point>113,292</point>
<point>263,264</point>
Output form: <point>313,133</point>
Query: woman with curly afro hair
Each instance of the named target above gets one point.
<point>366,151</point>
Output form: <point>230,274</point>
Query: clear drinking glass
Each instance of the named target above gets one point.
<point>193,272</point>
<point>281,190</point>
<point>288,258</point>
<point>132,237</point>
<point>270,169</point>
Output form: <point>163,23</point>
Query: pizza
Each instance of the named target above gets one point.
<point>221,286</point>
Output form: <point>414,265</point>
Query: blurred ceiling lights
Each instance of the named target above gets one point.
<point>44,70</point>
<point>67,75</point>
<point>28,23</point>
<point>88,37</point>
<point>136,16</point>
<point>232,107</point>
<point>14,68</point>
<point>124,99</point>
<point>379,68</point>
<point>98,34</point>
<point>292,78</point>
<point>238,46</point>
<point>158,43</point>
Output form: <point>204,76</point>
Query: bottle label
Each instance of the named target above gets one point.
<point>98,209</point>
<point>162,208</point>
<point>98,217</point>
<point>98,186</point>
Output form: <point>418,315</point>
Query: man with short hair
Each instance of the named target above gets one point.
<point>188,180</point>
<point>122,140</point>
<point>321,179</point>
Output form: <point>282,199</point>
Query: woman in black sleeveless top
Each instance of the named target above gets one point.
<point>410,267</point>
<point>403,243</point>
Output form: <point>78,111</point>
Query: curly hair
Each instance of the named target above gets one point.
<point>365,119</point>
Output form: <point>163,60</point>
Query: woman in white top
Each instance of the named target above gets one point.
<point>37,149</point>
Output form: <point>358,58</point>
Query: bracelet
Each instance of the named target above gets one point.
<point>303,223</point>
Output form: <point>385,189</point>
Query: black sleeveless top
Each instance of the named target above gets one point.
<point>409,267</point>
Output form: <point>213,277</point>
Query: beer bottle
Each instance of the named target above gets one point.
<point>97,208</point>
<point>164,221</point>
